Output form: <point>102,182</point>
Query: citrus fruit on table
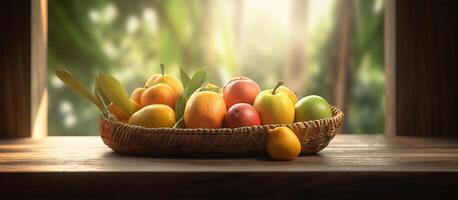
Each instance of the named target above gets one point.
<point>170,80</point>
<point>137,94</point>
<point>205,109</point>
<point>282,144</point>
<point>160,93</point>
<point>274,107</point>
<point>153,116</point>
<point>312,107</point>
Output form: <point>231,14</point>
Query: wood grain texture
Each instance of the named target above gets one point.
<point>351,166</point>
<point>15,68</point>
<point>345,153</point>
<point>426,67</point>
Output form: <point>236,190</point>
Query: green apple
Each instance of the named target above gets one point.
<point>274,107</point>
<point>312,107</point>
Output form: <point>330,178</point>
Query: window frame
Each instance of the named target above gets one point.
<point>38,99</point>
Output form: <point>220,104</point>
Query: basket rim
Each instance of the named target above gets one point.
<point>337,114</point>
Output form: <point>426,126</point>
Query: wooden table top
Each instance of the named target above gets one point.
<point>345,153</point>
<point>351,166</point>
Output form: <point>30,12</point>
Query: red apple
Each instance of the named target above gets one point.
<point>240,90</point>
<point>241,114</point>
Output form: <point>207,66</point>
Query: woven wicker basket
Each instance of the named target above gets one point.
<point>225,142</point>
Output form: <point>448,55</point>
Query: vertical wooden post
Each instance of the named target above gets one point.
<point>23,68</point>
<point>426,68</point>
<point>390,67</point>
<point>15,68</point>
<point>39,97</point>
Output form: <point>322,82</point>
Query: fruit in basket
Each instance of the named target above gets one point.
<point>240,90</point>
<point>160,93</point>
<point>137,94</point>
<point>119,113</point>
<point>205,109</point>
<point>282,144</point>
<point>274,107</point>
<point>153,116</point>
<point>288,92</point>
<point>170,80</point>
<point>210,87</point>
<point>312,107</point>
<point>241,114</point>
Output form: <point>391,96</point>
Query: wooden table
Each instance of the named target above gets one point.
<point>351,165</point>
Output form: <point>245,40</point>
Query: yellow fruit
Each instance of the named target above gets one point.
<point>137,94</point>
<point>274,107</point>
<point>288,92</point>
<point>170,80</point>
<point>205,109</point>
<point>160,93</point>
<point>119,113</point>
<point>282,144</point>
<point>153,116</point>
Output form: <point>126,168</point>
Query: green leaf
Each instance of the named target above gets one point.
<point>190,86</point>
<point>98,91</point>
<point>184,77</point>
<point>78,87</point>
<point>115,92</point>
<point>196,81</point>
<point>99,98</point>
<point>180,105</point>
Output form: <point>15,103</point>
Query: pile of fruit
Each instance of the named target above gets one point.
<point>165,101</point>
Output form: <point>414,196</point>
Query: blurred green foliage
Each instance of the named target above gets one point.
<point>129,39</point>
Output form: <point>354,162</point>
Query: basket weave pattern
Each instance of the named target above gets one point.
<point>224,142</point>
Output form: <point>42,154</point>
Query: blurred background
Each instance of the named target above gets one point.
<point>332,48</point>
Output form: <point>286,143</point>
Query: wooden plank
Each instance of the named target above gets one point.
<point>352,166</point>
<point>15,73</point>
<point>23,68</point>
<point>426,60</point>
<point>346,153</point>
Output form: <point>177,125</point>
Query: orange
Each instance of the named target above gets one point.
<point>160,93</point>
<point>119,113</point>
<point>282,144</point>
<point>153,116</point>
<point>170,80</point>
<point>205,109</point>
<point>137,94</point>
